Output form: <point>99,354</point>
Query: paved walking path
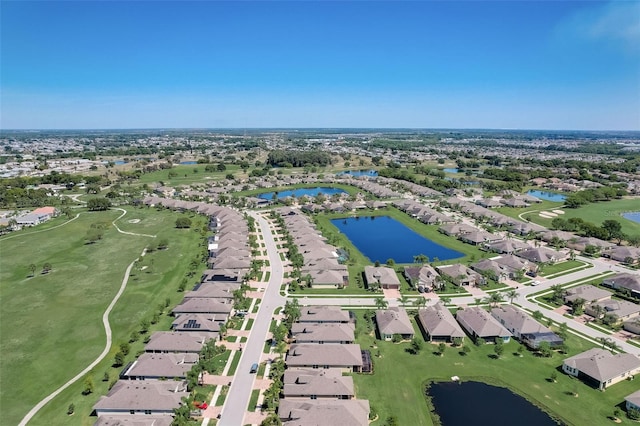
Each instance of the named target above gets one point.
<point>105,351</point>
<point>42,230</point>
<point>124,212</point>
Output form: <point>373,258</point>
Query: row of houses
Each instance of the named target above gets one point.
<point>315,389</point>
<point>154,384</point>
<point>321,265</point>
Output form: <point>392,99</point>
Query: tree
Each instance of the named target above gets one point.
<point>537,315</point>
<point>498,348</point>
<point>88,386</point>
<point>520,350</point>
<point>391,263</point>
<point>563,330</point>
<point>494,299</point>
<point>557,293</point>
<point>46,268</point>
<point>466,349</point>
<point>403,300</point>
<point>396,338</point>
<point>144,326</point>
<point>612,227</point>
<point>445,300</point>
<point>457,341</point>
<point>381,303</point>
<point>98,204</point>
<point>416,345</point>
<point>544,349</point>
<point>163,244</point>
<point>577,307</point>
<point>93,235</point>
<point>118,359</point>
<point>292,312</point>
<point>32,269</point>
<point>553,376</point>
<point>441,348</point>
<point>421,258</point>
<point>71,409</point>
<point>511,294</point>
<point>183,222</point>
<point>616,414</point>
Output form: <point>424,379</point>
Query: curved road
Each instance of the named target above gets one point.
<point>107,347</point>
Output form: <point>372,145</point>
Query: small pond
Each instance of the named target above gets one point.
<point>450,170</point>
<point>475,403</point>
<point>545,195</point>
<point>358,173</point>
<point>186,163</point>
<point>382,237</point>
<point>634,216</point>
<point>300,192</point>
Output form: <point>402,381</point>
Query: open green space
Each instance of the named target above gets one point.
<point>51,324</point>
<point>396,386</point>
<point>595,213</point>
<point>532,210</point>
<point>187,174</point>
<point>558,268</point>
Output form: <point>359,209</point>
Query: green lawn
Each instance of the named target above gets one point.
<point>595,213</point>
<point>396,387</point>
<point>51,326</point>
<point>185,175</point>
<point>253,401</point>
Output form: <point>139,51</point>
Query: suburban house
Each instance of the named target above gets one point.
<point>620,309</point>
<point>630,282</point>
<point>134,419</point>
<point>587,292</point>
<point>438,324</point>
<point>423,278</point>
<point>542,255</point>
<point>157,366</point>
<point>477,238</point>
<point>600,368</point>
<point>199,322</point>
<point>632,325</point>
<point>150,397</point>
<point>170,341</point>
<point>323,332</point>
<point>309,355</point>
<point>624,254</point>
<point>507,246</point>
<point>317,384</point>
<point>381,276</point>
<point>328,278</point>
<point>478,323</point>
<point>203,305</point>
<point>455,229</point>
<point>632,402</point>
<point>349,412</point>
<point>492,269</point>
<point>323,314</point>
<point>218,290</point>
<point>524,328</point>
<point>460,275</point>
<point>393,321</point>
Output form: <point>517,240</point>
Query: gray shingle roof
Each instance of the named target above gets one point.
<point>345,412</point>
<point>479,322</point>
<point>602,365</point>
<point>304,355</point>
<point>327,382</point>
<point>437,320</point>
<point>155,395</point>
<point>394,321</point>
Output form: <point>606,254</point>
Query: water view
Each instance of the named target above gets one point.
<point>358,173</point>
<point>382,237</point>
<point>186,163</point>
<point>482,402</point>
<point>450,170</point>
<point>545,195</point>
<point>300,192</point>
<point>634,216</point>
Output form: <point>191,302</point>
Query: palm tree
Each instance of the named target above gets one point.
<point>381,303</point>
<point>403,300</point>
<point>494,299</point>
<point>420,302</point>
<point>32,269</point>
<point>511,294</point>
<point>446,300</point>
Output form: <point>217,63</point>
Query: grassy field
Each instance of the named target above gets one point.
<point>396,387</point>
<point>594,213</point>
<point>51,325</point>
<point>188,174</point>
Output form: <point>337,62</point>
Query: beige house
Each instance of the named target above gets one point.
<point>316,384</point>
<point>394,321</point>
<point>381,276</point>
<point>438,324</point>
<point>600,368</point>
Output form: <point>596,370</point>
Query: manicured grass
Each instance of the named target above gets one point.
<point>249,324</point>
<point>396,387</point>
<point>598,212</point>
<point>534,208</point>
<point>261,369</point>
<point>557,268</point>
<point>51,325</point>
<point>253,401</point>
<point>234,363</point>
<point>185,175</point>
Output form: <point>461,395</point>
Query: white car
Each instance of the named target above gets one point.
<point>535,282</point>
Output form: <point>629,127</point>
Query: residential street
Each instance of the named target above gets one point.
<point>237,399</point>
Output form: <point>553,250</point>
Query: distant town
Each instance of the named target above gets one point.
<point>319,276</point>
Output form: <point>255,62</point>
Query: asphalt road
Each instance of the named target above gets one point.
<point>237,400</point>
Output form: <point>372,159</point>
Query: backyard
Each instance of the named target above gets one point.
<point>50,323</point>
<point>397,389</point>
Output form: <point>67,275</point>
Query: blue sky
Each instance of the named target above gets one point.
<point>509,64</point>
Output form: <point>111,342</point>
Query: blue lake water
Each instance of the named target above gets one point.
<point>358,173</point>
<point>450,170</point>
<point>382,237</point>
<point>185,163</point>
<point>309,192</point>
<point>549,196</point>
<point>634,216</point>
<point>475,403</point>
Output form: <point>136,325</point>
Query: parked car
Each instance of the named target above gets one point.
<point>254,368</point>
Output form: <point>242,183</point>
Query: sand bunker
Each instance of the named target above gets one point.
<point>558,211</point>
<point>134,221</point>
